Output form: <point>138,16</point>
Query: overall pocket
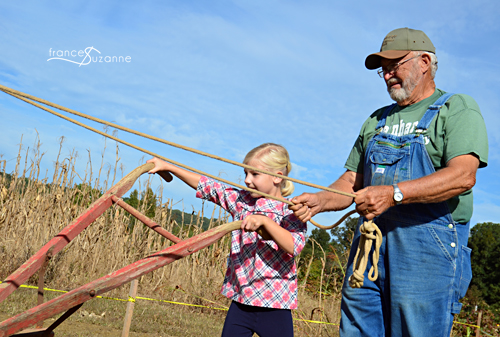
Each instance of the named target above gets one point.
<point>385,166</point>
<point>466,275</point>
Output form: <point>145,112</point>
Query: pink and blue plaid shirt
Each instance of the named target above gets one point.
<point>259,273</point>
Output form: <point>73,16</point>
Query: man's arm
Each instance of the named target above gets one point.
<point>458,176</point>
<point>308,205</point>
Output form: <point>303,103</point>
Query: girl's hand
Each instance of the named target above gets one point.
<point>257,223</point>
<point>160,165</point>
<point>253,222</point>
<point>162,168</point>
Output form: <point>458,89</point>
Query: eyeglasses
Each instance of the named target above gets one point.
<point>394,67</point>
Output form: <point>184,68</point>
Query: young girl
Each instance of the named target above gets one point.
<point>261,277</point>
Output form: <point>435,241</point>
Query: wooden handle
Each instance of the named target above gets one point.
<point>166,176</point>
<point>263,232</point>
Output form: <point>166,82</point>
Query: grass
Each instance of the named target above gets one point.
<point>101,317</point>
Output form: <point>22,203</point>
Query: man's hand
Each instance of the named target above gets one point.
<point>374,200</point>
<point>306,206</point>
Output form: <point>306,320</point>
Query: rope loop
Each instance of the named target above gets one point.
<point>369,233</point>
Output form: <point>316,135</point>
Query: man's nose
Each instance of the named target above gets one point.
<point>388,75</point>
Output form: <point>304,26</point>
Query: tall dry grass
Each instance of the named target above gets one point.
<point>36,205</point>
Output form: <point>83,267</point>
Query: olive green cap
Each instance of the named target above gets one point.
<point>398,44</point>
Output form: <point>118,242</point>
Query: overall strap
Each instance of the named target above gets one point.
<point>432,111</point>
<point>381,122</point>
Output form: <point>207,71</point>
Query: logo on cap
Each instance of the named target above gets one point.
<point>388,39</point>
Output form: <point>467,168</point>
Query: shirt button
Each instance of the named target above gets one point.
<point>450,226</point>
<point>453,244</point>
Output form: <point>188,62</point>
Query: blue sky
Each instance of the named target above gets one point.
<point>226,76</point>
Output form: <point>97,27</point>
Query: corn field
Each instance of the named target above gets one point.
<point>35,206</point>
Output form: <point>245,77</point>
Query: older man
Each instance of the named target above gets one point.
<point>412,169</point>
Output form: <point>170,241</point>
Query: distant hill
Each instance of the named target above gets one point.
<point>177,216</point>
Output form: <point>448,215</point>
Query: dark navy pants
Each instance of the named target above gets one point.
<point>245,320</point>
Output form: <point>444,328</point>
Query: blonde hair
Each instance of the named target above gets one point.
<point>274,158</point>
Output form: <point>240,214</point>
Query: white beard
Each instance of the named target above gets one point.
<point>407,86</point>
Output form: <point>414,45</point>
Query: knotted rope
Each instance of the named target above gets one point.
<point>369,233</point>
<point>32,99</point>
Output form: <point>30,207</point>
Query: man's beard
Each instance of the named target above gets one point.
<point>407,86</point>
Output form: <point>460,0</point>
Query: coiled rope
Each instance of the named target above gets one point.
<point>369,233</point>
<point>32,100</point>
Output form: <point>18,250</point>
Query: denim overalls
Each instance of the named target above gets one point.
<point>424,266</point>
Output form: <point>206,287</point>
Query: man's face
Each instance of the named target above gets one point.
<point>401,80</point>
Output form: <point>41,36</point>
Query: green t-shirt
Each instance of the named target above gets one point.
<point>458,129</point>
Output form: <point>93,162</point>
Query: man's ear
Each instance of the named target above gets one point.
<point>426,63</point>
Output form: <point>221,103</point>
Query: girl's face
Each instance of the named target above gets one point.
<point>262,182</point>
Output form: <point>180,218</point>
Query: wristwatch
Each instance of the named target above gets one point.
<point>398,195</point>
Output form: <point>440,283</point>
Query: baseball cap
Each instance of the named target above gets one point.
<point>399,43</point>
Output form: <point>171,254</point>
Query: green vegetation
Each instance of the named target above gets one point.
<point>483,295</point>
<point>485,243</point>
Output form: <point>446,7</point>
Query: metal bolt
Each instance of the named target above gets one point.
<point>92,293</point>
<point>190,250</point>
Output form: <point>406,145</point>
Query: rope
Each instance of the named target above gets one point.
<point>179,164</point>
<point>17,93</point>
<point>29,99</point>
<point>367,230</point>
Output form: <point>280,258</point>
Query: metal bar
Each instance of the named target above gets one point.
<point>64,317</point>
<point>34,333</point>
<point>145,220</point>
<point>41,282</point>
<point>24,272</point>
<point>115,279</point>
<point>41,278</point>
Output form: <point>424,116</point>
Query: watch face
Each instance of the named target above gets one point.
<point>398,196</point>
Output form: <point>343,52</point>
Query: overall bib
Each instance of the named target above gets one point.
<point>424,266</point>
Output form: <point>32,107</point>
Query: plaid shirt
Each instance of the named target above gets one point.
<point>259,273</point>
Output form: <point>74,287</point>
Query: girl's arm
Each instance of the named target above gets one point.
<point>186,176</point>
<point>280,235</point>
